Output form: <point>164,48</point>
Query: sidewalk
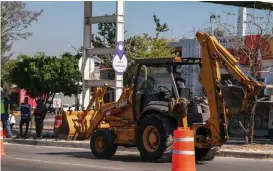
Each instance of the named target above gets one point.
<point>47,132</point>
<point>240,141</point>
<point>257,151</point>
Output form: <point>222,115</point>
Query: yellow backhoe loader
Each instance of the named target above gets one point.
<point>149,111</point>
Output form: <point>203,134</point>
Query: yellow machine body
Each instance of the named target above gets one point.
<point>118,117</point>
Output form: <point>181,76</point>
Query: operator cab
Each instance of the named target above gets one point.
<point>156,85</point>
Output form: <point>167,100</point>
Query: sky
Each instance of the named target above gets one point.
<point>61,24</point>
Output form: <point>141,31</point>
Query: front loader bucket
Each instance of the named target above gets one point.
<point>234,97</point>
<point>74,125</point>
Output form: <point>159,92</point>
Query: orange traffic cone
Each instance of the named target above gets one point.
<point>183,157</point>
<point>58,122</point>
<point>1,140</point>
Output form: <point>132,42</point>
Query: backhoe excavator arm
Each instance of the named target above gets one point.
<point>213,53</point>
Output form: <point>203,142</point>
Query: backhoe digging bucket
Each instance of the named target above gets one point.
<point>74,125</point>
<point>234,97</point>
<point>79,125</point>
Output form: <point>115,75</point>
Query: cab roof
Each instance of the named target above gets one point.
<point>169,60</point>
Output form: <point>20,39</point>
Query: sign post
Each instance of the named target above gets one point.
<point>119,64</point>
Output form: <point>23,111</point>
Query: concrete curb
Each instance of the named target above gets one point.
<point>86,145</point>
<point>242,154</point>
<point>59,143</point>
<point>55,143</point>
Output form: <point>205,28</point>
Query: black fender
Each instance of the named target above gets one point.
<point>160,107</point>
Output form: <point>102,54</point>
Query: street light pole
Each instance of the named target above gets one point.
<point>75,49</point>
<point>77,101</point>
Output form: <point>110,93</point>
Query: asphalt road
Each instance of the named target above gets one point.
<point>28,158</point>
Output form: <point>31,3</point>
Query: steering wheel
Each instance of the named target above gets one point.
<point>167,92</point>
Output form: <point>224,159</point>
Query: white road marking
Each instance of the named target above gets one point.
<point>67,148</point>
<point>64,163</point>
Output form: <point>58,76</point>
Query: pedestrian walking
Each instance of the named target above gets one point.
<point>5,110</point>
<point>25,110</point>
<point>39,118</point>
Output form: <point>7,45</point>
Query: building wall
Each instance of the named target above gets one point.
<point>18,96</point>
<point>190,48</point>
<point>190,74</point>
<point>66,99</point>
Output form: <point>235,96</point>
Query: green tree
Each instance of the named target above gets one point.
<point>141,46</point>
<point>15,19</point>
<point>43,76</point>
<point>145,46</point>
<point>106,38</point>
<point>160,28</point>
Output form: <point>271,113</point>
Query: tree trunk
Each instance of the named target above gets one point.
<point>245,131</point>
<point>248,131</point>
<point>252,124</point>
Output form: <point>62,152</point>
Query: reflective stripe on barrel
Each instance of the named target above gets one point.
<point>183,158</point>
<point>183,140</point>
<point>183,152</point>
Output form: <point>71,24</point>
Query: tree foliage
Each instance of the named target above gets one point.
<point>43,76</point>
<point>105,38</point>
<point>260,29</point>
<point>15,19</point>
<point>160,28</point>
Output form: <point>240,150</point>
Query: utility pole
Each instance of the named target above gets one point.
<point>77,101</point>
<point>85,63</point>
<point>241,21</point>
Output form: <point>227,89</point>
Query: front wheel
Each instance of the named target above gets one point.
<point>102,144</point>
<point>154,137</point>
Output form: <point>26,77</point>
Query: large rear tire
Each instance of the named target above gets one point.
<point>155,137</point>
<point>102,144</point>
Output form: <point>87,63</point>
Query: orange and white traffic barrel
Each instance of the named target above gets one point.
<point>1,140</point>
<point>183,157</point>
<point>58,122</point>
